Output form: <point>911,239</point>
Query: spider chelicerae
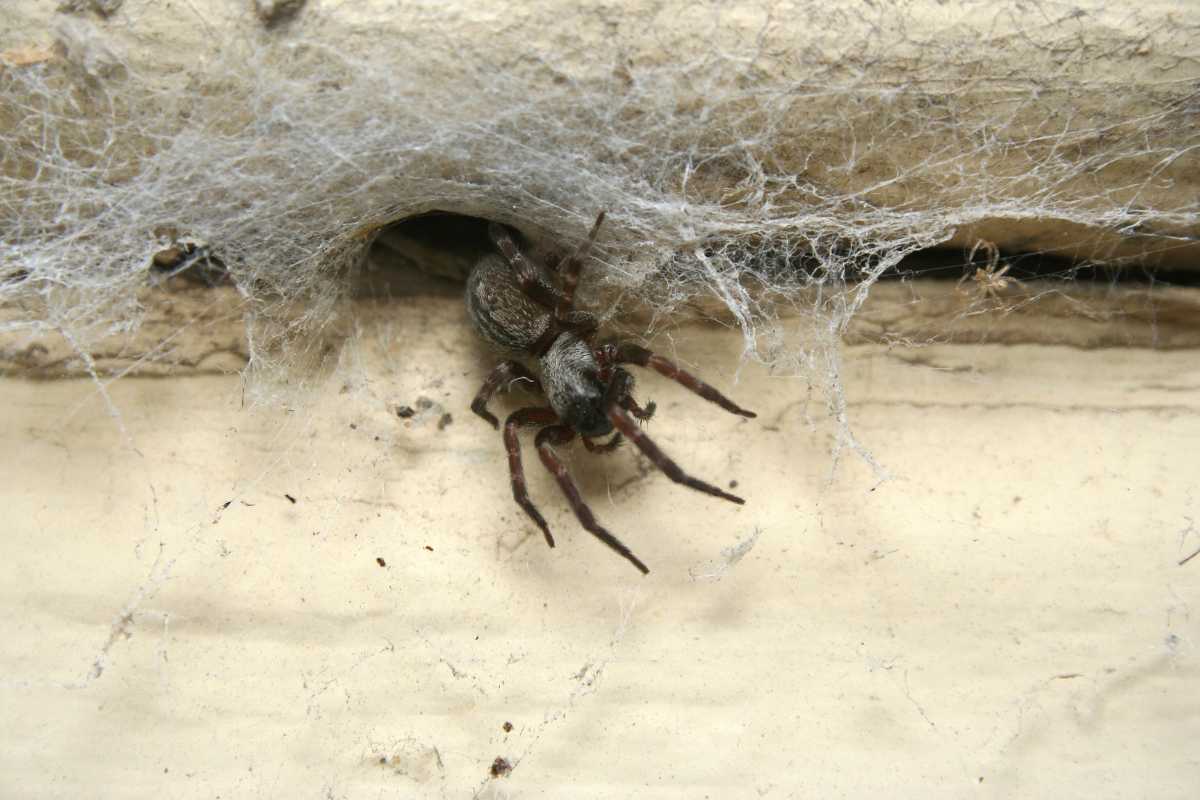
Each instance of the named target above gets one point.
<point>524,307</point>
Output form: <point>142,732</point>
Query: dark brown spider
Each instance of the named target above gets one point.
<point>518,305</point>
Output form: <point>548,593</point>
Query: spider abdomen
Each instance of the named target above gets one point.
<point>502,313</point>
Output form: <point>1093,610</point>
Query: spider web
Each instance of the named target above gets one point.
<point>770,167</point>
<point>776,174</point>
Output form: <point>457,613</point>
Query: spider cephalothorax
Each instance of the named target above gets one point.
<point>529,310</point>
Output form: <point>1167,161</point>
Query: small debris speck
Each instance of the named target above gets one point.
<point>380,562</point>
<point>733,484</point>
<point>292,499</point>
<point>273,12</point>
<point>424,403</point>
<point>430,549</point>
<point>501,767</point>
<point>404,412</point>
<point>353,427</point>
<point>444,421</point>
<point>507,727</point>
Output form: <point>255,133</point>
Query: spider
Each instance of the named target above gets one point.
<point>527,309</point>
<point>990,281</point>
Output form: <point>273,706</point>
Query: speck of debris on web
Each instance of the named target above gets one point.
<point>501,767</point>
<point>507,727</point>
<point>274,12</point>
<point>290,498</point>
<point>379,560</point>
<point>105,8</point>
<point>424,403</point>
<point>404,412</point>
<point>444,421</point>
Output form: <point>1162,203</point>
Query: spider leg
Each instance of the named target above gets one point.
<point>620,388</point>
<point>581,323</point>
<point>515,421</point>
<point>504,373</point>
<point>569,270</point>
<point>629,404</point>
<point>623,423</point>
<point>561,434</point>
<point>632,354</point>
<point>993,253</point>
<point>527,275</point>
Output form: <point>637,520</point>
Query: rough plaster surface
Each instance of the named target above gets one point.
<point>1004,616</point>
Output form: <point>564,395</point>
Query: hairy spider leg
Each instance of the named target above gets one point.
<point>569,270</point>
<point>559,435</point>
<point>625,424</point>
<point>629,404</point>
<point>620,388</point>
<point>505,372</point>
<point>632,354</point>
<point>517,420</point>
<point>527,276</point>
